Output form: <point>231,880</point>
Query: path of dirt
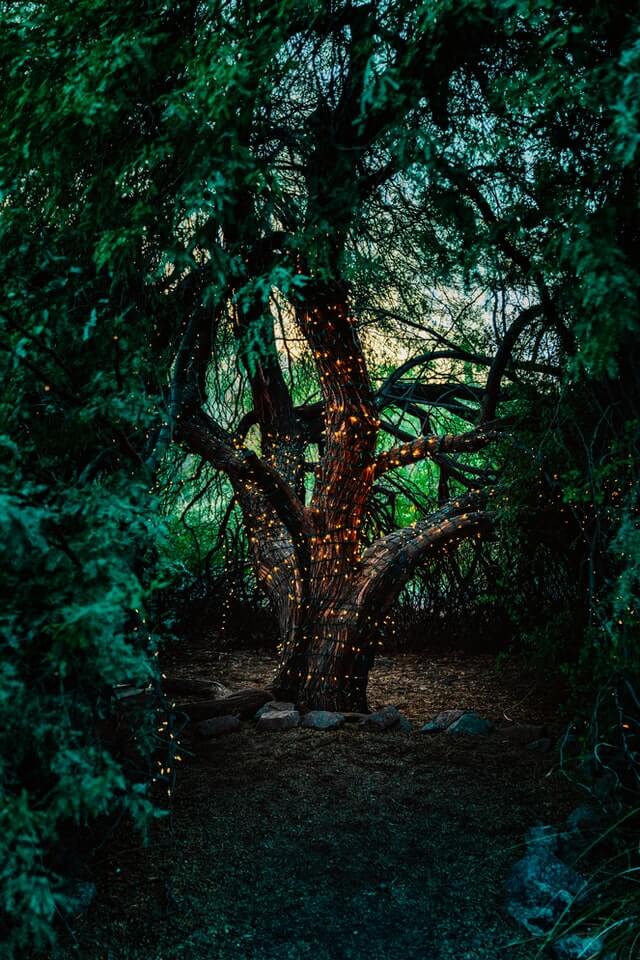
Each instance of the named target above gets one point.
<point>339,846</point>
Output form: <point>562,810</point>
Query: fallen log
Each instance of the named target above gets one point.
<point>243,704</point>
<point>177,686</point>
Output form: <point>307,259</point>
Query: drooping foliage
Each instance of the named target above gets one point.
<point>576,212</point>
<point>80,527</point>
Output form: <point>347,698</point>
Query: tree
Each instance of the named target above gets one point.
<point>298,167</point>
<point>189,184</point>
<point>341,126</point>
<point>80,527</point>
<point>374,133</point>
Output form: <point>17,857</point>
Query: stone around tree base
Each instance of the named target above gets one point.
<point>322,720</point>
<point>243,704</point>
<point>216,727</point>
<point>443,720</point>
<point>275,706</point>
<point>472,725</point>
<point>177,686</point>
<point>383,719</point>
<point>279,720</point>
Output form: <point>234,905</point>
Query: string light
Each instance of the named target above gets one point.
<point>311,558</point>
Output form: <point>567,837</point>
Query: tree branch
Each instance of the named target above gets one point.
<point>391,561</point>
<point>502,357</point>
<point>207,439</point>
<point>432,446</point>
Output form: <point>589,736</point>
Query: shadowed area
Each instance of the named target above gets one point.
<point>348,844</point>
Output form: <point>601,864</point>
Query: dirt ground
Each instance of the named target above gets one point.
<point>346,845</point>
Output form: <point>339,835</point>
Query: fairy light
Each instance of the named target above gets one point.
<point>312,573</point>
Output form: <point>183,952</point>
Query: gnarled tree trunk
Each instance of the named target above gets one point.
<point>330,638</point>
<point>329,589</point>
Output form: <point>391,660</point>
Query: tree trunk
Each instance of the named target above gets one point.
<point>330,635</point>
<point>325,662</point>
<point>329,590</point>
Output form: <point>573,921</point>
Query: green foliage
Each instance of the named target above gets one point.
<point>148,152</point>
<point>73,627</point>
<point>78,406</point>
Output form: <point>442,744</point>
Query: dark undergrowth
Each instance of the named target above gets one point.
<point>341,845</point>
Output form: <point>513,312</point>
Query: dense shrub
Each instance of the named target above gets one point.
<point>73,629</point>
<point>79,526</point>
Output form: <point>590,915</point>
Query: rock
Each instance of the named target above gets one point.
<point>279,720</point>
<point>127,694</point>
<point>583,825</point>
<point>440,722</point>
<point>585,818</point>
<point>431,727</point>
<point>577,947</point>
<point>543,745</point>
<point>322,720</point>
<point>78,898</point>
<point>540,887</point>
<point>404,724</point>
<point>472,725</point>
<point>351,717</point>
<point>216,726</point>
<point>522,733</point>
<point>383,719</point>
<point>275,706</point>
<point>542,838</point>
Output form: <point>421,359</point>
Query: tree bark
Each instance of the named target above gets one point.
<point>325,664</point>
<point>330,591</point>
<point>330,641</point>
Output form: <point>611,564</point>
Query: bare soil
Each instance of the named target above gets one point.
<point>346,845</point>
